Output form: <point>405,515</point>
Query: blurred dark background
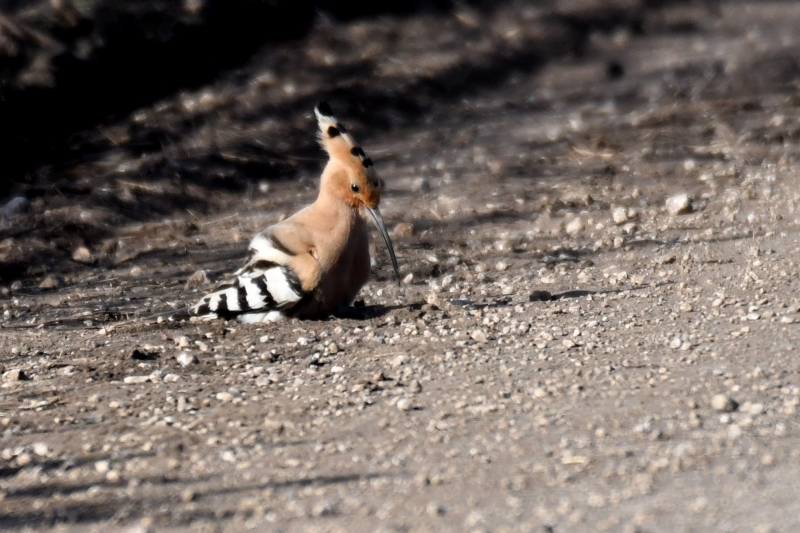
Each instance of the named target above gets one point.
<point>115,113</point>
<point>66,65</point>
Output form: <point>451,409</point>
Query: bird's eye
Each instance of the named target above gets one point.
<point>354,187</point>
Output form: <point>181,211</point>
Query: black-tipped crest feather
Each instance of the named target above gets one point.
<point>324,109</point>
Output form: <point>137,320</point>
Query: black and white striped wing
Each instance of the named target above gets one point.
<point>265,283</point>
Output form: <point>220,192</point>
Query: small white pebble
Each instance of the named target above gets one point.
<point>479,335</point>
<point>102,467</point>
<point>723,403</point>
<point>575,226</point>
<point>679,204</point>
<point>619,215</point>
<point>224,396</point>
<point>186,358</point>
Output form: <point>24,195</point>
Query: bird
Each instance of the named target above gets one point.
<point>313,263</point>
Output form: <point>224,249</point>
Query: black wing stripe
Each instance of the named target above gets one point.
<point>262,264</point>
<point>278,245</point>
<point>222,305</point>
<point>242,297</point>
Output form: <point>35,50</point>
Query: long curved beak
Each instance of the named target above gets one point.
<point>375,213</point>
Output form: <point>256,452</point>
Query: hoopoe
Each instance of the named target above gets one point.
<point>313,263</point>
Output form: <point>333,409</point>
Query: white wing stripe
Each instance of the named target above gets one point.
<point>255,298</point>
<point>280,287</point>
<point>231,298</point>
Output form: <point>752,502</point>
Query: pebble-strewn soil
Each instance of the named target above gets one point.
<point>596,218</point>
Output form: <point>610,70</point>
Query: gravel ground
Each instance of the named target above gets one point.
<point>596,331</point>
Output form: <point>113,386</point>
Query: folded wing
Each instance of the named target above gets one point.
<point>266,283</point>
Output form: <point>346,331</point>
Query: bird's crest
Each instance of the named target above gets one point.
<point>339,144</point>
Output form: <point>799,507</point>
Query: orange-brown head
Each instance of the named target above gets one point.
<point>350,174</point>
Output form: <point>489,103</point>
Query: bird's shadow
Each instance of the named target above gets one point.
<point>543,296</point>
<point>359,311</point>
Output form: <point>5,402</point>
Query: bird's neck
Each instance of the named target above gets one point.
<point>339,223</point>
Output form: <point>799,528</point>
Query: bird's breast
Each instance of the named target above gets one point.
<point>344,268</point>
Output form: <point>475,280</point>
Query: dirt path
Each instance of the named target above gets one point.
<point>657,390</point>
